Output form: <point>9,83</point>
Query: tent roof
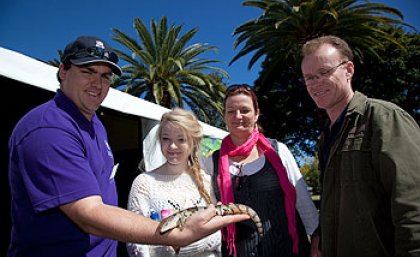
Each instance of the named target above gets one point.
<point>33,72</point>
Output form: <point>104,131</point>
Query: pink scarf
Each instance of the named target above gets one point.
<point>225,183</point>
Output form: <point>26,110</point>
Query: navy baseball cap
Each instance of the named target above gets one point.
<point>88,49</point>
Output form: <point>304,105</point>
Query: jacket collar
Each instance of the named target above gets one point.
<point>357,103</point>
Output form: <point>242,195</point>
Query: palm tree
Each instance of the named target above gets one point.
<point>56,62</point>
<point>163,69</point>
<point>287,24</point>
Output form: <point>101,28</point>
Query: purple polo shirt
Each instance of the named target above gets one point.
<point>57,157</point>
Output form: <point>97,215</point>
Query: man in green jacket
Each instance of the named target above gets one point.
<point>369,157</point>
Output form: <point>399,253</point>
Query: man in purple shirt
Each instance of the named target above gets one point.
<point>64,200</point>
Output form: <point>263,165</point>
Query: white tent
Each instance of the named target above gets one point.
<point>33,72</point>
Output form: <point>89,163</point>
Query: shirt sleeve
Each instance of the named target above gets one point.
<point>138,202</point>
<point>304,204</point>
<point>396,146</point>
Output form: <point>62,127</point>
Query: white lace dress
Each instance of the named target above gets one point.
<point>152,191</point>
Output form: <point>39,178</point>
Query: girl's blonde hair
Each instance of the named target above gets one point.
<point>180,118</point>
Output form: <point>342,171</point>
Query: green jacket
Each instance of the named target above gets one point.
<point>370,202</point>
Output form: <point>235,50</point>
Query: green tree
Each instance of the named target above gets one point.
<point>56,62</point>
<point>397,77</point>
<point>215,116</point>
<point>163,69</point>
<point>311,175</point>
<point>287,24</point>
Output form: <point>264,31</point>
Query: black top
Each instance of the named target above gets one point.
<point>262,192</point>
<point>330,137</point>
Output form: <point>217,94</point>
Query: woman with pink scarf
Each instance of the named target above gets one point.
<point>261,173</point>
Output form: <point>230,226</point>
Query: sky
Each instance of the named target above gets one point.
<point>38,28</point>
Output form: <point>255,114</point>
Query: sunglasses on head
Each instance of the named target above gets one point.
<point>101,53</point>
<point>238,87</point>
<point>97,52</point>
